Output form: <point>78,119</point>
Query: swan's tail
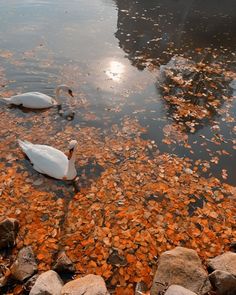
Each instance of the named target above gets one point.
<point>24,144</point>
<point>6,100</point>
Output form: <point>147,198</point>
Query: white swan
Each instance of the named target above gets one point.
<point>37,100</point>
<point>51,161</point>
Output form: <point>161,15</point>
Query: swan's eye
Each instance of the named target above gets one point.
<point>70,92</point>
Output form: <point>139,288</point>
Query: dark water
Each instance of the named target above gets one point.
<point>110,52</point>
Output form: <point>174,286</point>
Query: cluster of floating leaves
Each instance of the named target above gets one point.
<point>133,202</point>
<point>145,204</point>
<point>198,94</point>
<point>194,92</point>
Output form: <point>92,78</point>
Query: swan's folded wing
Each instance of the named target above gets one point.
<point>32,100</point>
<point>44,97</point>
<point>49,160</point>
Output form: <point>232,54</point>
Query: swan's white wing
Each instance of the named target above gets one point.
<point>46,159</point>
<point>33,100</point>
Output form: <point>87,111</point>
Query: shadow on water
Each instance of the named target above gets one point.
<point>26,110</point>
<point>151,31</point>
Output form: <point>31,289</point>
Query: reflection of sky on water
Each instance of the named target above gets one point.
<point>100,46</point>
<point>73,29</point>
<point>84,31</point>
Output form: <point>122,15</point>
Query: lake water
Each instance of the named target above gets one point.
<point>110,53</point>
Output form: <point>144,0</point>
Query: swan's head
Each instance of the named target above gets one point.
<point>73,143</point>
<point>66,89</point>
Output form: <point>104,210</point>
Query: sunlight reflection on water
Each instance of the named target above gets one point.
<point>110,51</point>
<point>115,71</point>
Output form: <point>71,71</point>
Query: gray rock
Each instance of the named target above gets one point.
<point>30,283</point>
<point>63,264</point>
<point>178,290</point>
<point>225,262</point>
<point>48,283</point>
<point>180,266</point>
<point>8,231</point>
<point>233,247</point>
<point>88,285</point>
<point>223,282</point>
<point>25,265</point>
<point>116,260</point>
<point>140,288</point>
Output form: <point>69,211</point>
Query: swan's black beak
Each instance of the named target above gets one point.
<point>70,93</point>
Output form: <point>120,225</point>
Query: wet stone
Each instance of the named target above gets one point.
<point>225,262</point>
<point>180,266</point>
<point>116,259</point>
<point>8,232</point>
<point>233,247</point>
<point>178,290</point>
<point>88,285</point>
<point>25,265</point>
<point>141,288</point>
<point>63,264</point>
<point>30,283</point>
<point>44,217</point>
<point>48,283</point>
<point>223,282</point>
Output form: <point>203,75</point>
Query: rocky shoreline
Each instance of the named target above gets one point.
<point>179,272</point>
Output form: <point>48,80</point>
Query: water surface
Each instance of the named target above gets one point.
<point>110,53</point>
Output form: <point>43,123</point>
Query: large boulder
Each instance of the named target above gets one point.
<point>25,265</point>
<point>178,290</point>
<point>225,262</point>
<point>181,266</point>
<point>88,285</point>
<point>48,283</point>
<point>8,231</point>
<point>223,282</point>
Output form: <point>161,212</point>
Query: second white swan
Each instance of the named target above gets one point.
<point>38,100</point>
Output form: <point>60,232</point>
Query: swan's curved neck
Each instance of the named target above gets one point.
<point>57,97</point>
<point>71,164</point>
<point>72,159</point>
